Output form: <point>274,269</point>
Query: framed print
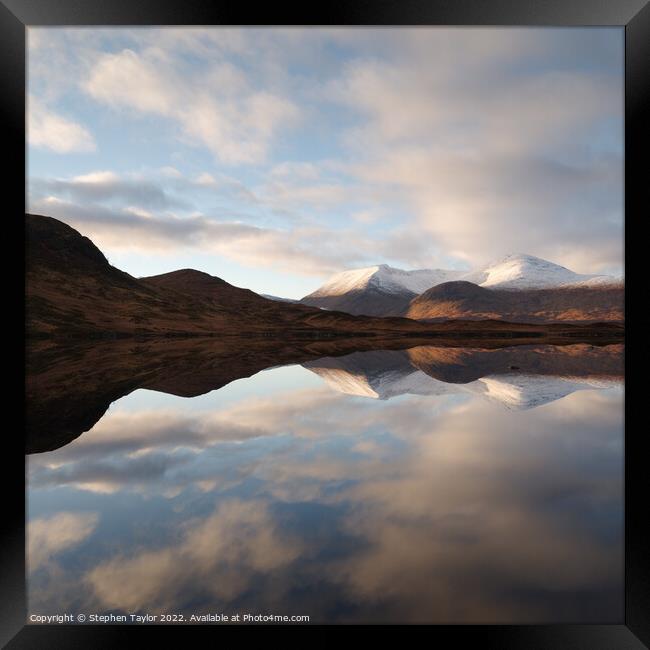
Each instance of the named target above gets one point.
<point>328,321</point>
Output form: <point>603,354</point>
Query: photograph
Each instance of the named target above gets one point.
<point>325,325</point>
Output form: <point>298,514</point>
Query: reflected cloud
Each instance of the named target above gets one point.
<point>219,557</point>
<point>488,514</point>
<point>49,536</point>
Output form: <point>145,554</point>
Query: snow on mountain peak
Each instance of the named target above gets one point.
<point>345,281</point>
<point>384,278</point>
<point>522,271</point>
<point>514,271</point>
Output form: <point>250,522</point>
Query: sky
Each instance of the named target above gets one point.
<point>275,157</point>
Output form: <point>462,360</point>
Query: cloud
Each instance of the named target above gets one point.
<point>47,129</point>
<point>127,229</point>
<point>137,450</point>
<point>220,556</point>
<point>493,158</point>
<point>510,551</point>
<point>157,212</point>
<point>49,536</point>
<point>108,187</point>
<point>225,186</point>
<point>404,102</point>
<point>141,226</point>
<point>478,209</point>
<point>216,107</point>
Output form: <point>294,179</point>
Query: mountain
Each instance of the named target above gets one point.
<point>375,291</point>
<point>465,300</point>
<point>522,271</point>
<point>385,278</point>
<point>517,378</point>
<point>386,291</point>
<point>278,299</point>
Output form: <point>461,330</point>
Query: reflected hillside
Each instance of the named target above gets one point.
<point>69,388</point>
<point>517,377</point>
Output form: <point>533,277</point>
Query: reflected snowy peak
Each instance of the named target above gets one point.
<point>435,371</point>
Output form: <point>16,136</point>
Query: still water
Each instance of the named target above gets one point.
<point>421,485</point>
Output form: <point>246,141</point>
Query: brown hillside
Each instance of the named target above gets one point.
<point>465,300</point>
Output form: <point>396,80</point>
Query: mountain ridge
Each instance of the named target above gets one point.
<point>385,291</point>
<point>73,291</point>
<point>384,278</point>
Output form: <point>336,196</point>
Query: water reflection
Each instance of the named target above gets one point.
<point>518,378</point>
<point>477,485</point>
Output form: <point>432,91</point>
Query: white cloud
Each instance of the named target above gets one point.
<point>138,212</point>
<point>491,159</point>
<point>101,177</point>
<point>205,179</point>
<point>214,107</point>
<point>149,213</point>
<point>301,250</point>
<point>480,208</point>
<point>47,129</point>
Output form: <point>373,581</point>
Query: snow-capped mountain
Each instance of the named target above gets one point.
<point>384,278</point>
<point>520,271</point>
<point>376,290</point>
<point>386,291</point>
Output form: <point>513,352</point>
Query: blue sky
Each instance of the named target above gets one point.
<point>275,157</point>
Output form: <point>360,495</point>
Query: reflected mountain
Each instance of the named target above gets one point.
<point>380,374</point>
<point>516,377</point>
<point>69,388</point>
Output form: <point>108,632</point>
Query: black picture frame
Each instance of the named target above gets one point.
<point>632,15</point>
